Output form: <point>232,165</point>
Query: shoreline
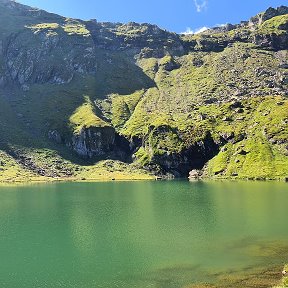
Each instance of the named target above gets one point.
<point>123,178</point>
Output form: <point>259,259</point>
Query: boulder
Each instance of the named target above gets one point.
<point>195,174</point>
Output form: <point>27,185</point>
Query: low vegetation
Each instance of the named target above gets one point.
<point>85,116</point>
<point>276,25</point>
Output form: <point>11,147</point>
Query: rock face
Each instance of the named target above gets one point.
<point>54,52</point>
<point>35,57</point>
<point>94,141</point>
<point>180,164</point>
<point>178,159</point>
<point>268,14</point>
<point>171,103</point>
<point>271,41</point>
<point>258,30</point>
<point>135,38</point>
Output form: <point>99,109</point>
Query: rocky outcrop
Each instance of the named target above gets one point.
<point>271,41</point>
<point>96,141</point>
<point>55,136</point>
<point>191,158</point>
<point>134,38</point>
<point>44,58</point>
<point>195,174</point>
<point>168,63</point>
<point>252,31</point>
<point>55,50</point>
<point>268,14</point>
<point>184,158</point>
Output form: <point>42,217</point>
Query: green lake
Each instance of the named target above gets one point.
<point>161,234</point>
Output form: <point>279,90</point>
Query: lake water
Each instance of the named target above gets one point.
<point>143,234</point>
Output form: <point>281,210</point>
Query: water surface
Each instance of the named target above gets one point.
<point>142,234</point>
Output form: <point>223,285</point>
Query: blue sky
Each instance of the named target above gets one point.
<point>173,15</point>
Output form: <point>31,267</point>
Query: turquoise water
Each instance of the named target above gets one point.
<point>140,234</point>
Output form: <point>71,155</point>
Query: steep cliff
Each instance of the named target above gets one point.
<point>76,93</point>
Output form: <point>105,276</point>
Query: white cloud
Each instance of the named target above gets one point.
<point>200,5</point>
<point>189,31</point>
<point>221,25</point>
<point>200,30</point>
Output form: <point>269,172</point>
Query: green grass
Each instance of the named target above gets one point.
<point>265,158</point>
<point>116,170</point>
<point>274,25</point>
<point>44,27</point>
<point>11,170</point>
<point>123,107</point>
<point>149,66</point>
<point>74,27</point>
<point>131,30</point>
<point>71,27</point>
<point>263,125</point>
<point>85,117</point>
<point>221,76</point>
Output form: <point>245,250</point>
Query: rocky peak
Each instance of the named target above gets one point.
<point>12,6</point>
<point>8,2</point>
<point>268,14</point>
<point>282,10</point>
<point>267,30</point>
<point>134,37</point>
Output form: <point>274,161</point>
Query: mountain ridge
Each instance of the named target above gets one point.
<point>79,96</point>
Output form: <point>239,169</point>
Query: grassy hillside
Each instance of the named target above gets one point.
<point>139,101</point>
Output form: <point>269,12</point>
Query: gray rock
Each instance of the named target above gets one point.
<point>55,136</point>
<point>94,141</point>
<point>224,149</point>
<point>195,174</point>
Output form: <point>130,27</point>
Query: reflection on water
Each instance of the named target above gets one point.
<point>143,234</point>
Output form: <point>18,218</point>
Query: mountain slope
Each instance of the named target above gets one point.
<point>89,100</point>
